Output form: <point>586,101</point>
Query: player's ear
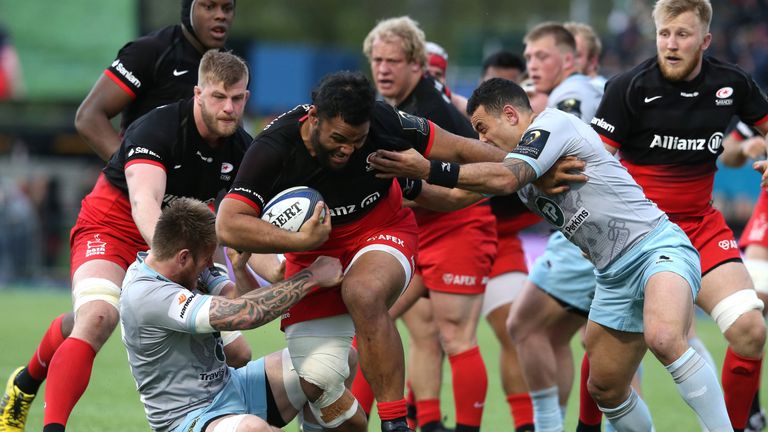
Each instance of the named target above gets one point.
<point>183,256</point>
<point>198,92</point>
<point>511,114</point>
<point>313,116</point>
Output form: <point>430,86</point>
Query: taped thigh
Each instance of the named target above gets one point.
<point>227,337</point>
<point>405,263</point>
<point>729,309</point>
<point>501,290</point>
<point>758,270</point>
<point>92,289</point>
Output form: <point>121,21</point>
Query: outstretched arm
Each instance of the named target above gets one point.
<point>497,178</point>
<point>263,305</point>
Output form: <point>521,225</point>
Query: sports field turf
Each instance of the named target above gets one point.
<point>112,404</point>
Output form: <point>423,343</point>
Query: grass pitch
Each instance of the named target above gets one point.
<point>111,402</point>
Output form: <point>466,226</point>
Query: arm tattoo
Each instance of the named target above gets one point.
<point>259,306</point>
<point>522,171</point>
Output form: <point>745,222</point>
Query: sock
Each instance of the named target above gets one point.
<point>581,427</point>
<point>470,384</point>
<point>394,410</point>
<point>698,385</point>
<point>700,348</point>
<point>741,379</point>
<point>546,410</point>
<point>41,359</point>
<point>521,407</point>
<point>410,406</point>
<point>54,427</point>
<point>589,413</point>
<point>361,389</point>
<point>630,415</point>
<point>428,411</point>
<point>70,372</point>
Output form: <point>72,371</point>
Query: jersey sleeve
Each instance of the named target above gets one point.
<point>258,173</point>
<point>543,143</point>
<point>132,70</point>
<point>754,110</point>
<point>212,280</point>
<point>613,115</point>
<point>179,309</point>
<point>397,130</point>
<point>145,142</point>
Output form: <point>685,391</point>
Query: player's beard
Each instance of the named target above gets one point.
<point>214,126</point>
<point>323,155</point>
<point>682,71</point>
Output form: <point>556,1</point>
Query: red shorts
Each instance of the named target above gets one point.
<point>510,256</point>
<point>754,232</point>
<point>387,227</point>
<point>711,237</point>
<point>105,229</point>
<point>457,249</point>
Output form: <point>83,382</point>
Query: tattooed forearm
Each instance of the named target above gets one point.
<point>521,170</point>
<point>260,306</point>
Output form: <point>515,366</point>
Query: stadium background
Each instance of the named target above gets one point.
<point>45,168</point>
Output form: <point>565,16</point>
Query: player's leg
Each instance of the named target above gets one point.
<point>529,325</point>
<point>727,295</point>
<point>372,284</point>
<point>96,292</point>
<point>613,358</point>
<point>457,316</point>
<point>560,334</point>
<point>425,360</point>
<point>24,382</point>
<point>500,292</point>
<point>236,349</point>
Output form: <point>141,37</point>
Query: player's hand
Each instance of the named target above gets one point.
<point>569,169</point>
<point>317,229</point>
<point>406,163</point>
<point>762,168</point>
<point>754,148</point>
<point>238,259</point>
<point>326,271</point>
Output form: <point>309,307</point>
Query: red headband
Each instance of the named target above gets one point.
<point>437,60</point>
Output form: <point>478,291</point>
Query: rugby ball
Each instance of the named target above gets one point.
<point>292,207</point>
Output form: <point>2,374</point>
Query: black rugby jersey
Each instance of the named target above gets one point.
<point>654,121</point>
<point>669,134</point>
<point>428,100</point>
<point>156,69</point>
<point>278,160</point>
<point>167,137</point>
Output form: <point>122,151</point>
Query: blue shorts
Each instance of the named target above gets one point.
<point>245,393</point>
<point>563,273</point>
<point>620,292</point>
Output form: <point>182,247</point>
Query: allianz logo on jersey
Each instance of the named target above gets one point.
<point>669,142</point>
<point>352,208</point>
<point>118,65</point>
<point>597,121</point>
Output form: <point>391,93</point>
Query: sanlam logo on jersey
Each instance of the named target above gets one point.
<point>118,65</point>
<point>669,142</point>
<point>597,121</point>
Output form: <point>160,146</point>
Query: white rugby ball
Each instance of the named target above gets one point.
<point>291,208</point>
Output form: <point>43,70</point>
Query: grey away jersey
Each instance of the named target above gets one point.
<point>604,216</point>
<point>576,95</point>
<point>176,358</point>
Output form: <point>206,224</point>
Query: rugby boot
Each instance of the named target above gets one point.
<point>395,426</point>
<point>14,407</point>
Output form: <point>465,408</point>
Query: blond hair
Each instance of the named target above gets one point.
<point>411,37</point>
<point>185,224</point>
<point>221,67</point>
<point>564,39</point>
<point>594,45</point>
<point>668,9</point>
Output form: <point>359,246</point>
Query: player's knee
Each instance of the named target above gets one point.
<point>242,423</point>
<point>665,343</point>
<point>731,309</point>
<point>747,334</point>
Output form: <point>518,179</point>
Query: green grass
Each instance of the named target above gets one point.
<point>111,402</point>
